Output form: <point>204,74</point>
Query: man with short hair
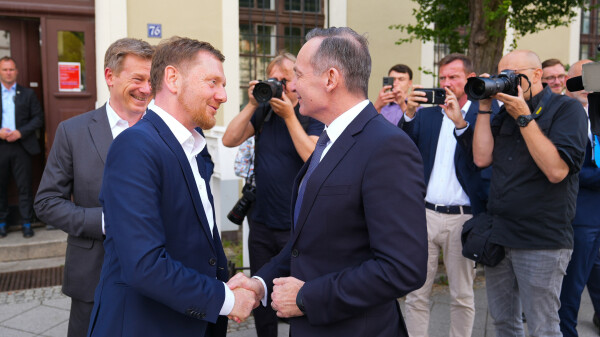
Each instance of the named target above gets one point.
<point>359,237</point>
<point>68,194</point>
<point>22,117</point>
<point>391,103</point>
<point>554,75</point>
<point>284,140</point>
<point>456,189</point>
<point>586,229</point>
<point>536,144</point>
<point>164,266</point>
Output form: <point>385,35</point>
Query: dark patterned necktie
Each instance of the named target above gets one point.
<point>316,158</point>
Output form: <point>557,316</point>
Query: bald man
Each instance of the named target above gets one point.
<point>536,144</point>
<point>585,261</point>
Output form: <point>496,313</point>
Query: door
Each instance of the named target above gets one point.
<point>20,39</point>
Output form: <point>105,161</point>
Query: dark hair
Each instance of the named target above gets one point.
<point>551,63</point>
<point>177,52</point>
<point>467,63</point>
<point>346,50</point>
<point>118,50</point>
<point>402,68</point>
<point>8,58</point>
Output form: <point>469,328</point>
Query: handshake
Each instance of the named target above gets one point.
<point>249,292</point>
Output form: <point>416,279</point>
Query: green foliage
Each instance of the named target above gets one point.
<point>448,21</point>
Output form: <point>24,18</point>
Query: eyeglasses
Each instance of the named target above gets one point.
<point>553,78</point>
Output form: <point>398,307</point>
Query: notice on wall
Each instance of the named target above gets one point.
<point>69,76</point>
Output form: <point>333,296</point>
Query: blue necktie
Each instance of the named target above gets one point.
<point>596,151</point>
<point>316,158</point>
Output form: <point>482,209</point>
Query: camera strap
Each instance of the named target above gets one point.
<point>537,112</point>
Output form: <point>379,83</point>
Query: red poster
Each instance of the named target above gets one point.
<point>69,76</point>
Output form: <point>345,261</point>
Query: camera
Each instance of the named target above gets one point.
<point>265,90</point>
<point>507,81</point>
<point>241,208</point>
<point>434,95</point>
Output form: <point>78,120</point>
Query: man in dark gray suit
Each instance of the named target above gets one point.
<point>68,194</point>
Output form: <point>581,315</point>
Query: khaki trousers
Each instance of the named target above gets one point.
<point>443,232</point>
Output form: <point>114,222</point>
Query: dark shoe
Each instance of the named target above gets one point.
<point>3,232</point>
<point>27,232</point>
<point>596,320</point>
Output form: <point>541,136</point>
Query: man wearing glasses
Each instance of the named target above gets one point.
<point>536,144</point>
<point>554,75</point>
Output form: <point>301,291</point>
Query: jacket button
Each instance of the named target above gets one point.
<point>295,253</point>
<point>212,261</point>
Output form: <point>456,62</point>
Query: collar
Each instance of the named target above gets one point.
<point>535,100</point>
<point>192,142</point>
<point>335,129</point>
<point>113,117</point>
<point>12,89</point>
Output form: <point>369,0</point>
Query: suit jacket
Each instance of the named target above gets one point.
<point>68,197</point>
<point>163,267</point>
<point>424,130</point>
<point>588,198</point>
<point>29,117</point>
<point>361,237</point>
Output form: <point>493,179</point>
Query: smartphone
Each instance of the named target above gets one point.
<point>388,81</point>
<point>433,95</point>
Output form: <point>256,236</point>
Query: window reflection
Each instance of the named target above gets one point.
<point>71,48</point>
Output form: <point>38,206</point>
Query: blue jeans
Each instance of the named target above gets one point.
<point>585,251</point>
<point>527,281</point>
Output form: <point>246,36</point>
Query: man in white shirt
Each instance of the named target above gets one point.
<point>164,266</point>
<point>68,194</point>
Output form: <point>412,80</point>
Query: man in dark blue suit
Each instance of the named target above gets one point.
<point>164,266</point>
<point>586,230</point>
<point>456,189</point>
<point>359,238</point>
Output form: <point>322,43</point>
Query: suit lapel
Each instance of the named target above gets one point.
<point>169,138</point>
<point>100,132</point>
<point>333,157</point>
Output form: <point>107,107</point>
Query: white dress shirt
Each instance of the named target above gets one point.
<point>8,107</point>
<point>193,143</point>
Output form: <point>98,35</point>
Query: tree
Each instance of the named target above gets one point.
<point>478,26</point>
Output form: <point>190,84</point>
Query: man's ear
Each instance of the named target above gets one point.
<point>334,78</point>
<point>108,76</point>
<point>172,79</point>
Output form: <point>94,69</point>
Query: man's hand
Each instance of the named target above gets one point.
<point>452,109</point>
<point>514,105</point>
<point>485,104</point>
<point>285,291</point>
<point>240,280</point>
<point>283,107</point>
<point>414,100</point>
<point>386,96</point>
<point>13,136</point>
<point>245,301</point>
<point>4,133</point>
<point>251,100</point>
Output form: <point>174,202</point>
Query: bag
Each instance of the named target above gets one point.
<point>475,238</point>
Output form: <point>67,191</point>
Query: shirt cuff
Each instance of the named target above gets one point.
<point>103,231</point>
<point>459,132</point>
<point>228,303</point>
<point>264,299</point>
<point>408,119</point>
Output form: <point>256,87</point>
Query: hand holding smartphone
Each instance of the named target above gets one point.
<point>433,95</point>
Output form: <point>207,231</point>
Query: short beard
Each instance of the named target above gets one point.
<point>201,119</point>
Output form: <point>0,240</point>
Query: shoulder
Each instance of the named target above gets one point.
<point>25,91</point>
<point>82,119</point>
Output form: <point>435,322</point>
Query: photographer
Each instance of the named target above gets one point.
<point>456,190</point>
<point>537,146</point>
<point>391,102</point>
<point>284,139</point>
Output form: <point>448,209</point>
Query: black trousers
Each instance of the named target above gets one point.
<point>263,245</point>
<point>16,161</point>
<point>79,318</point>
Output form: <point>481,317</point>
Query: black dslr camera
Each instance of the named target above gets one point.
<point>265,90</point>
<point>483,87</point>
<point>241,208</point>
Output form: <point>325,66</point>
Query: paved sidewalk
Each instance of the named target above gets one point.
<point>45,312</point>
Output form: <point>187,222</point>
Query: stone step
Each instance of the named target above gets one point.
<point>43,245</point>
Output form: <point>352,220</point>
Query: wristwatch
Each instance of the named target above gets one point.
<point>523,120</point>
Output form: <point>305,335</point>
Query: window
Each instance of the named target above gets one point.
<point>590,31</point>
<point>268,26</point>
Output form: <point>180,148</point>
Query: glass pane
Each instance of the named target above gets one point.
<point>4,43</point>
<point>584,52</point>
<point>71,52</point>
<point>261,67</point>
<point>245,3</point>
<point>266,4</point>
<point>293,39</point>
<point>265,40</point>
<point>312,6</point>
<point>246,40</point>
<point>585,21</point>
<point>246,68</point>
<point>244,96</point>
<point>293,5</point>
